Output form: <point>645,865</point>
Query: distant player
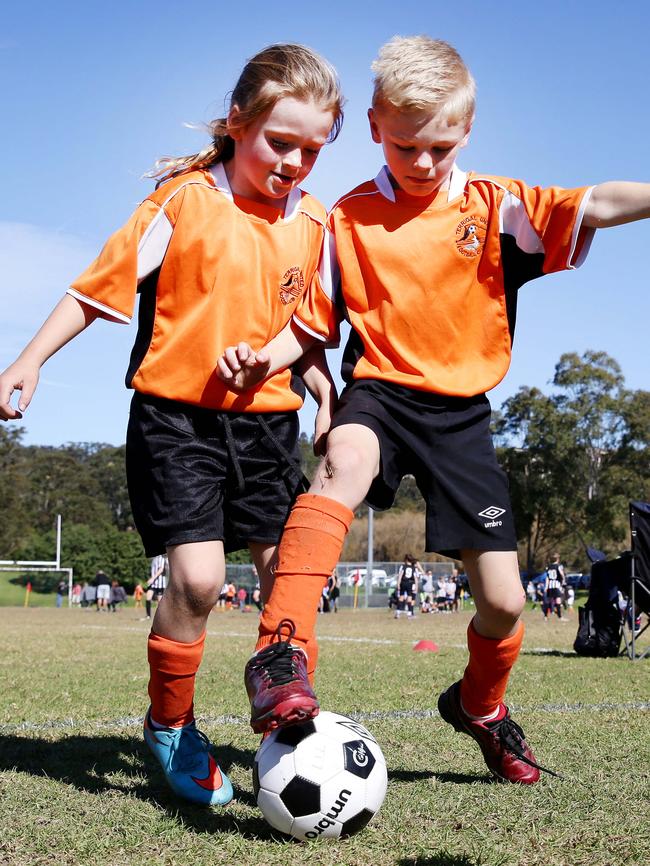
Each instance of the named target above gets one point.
<point>408,578</point>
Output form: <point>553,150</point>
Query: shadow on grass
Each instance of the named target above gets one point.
<point>441,859</point>
<point>456,778</point>
<point>563,654</point>
<point>102,764</point>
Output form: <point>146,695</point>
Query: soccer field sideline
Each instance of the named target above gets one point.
<point>384,715</point>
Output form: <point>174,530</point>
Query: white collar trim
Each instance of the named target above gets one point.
<point>221,182</point>
<point>383,184</point>
<point>457,181</point>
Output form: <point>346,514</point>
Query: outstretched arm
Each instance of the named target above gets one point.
<point>240,367</point>
<point>318,380</point>
<point>617,202</point>
<point>67,319</point>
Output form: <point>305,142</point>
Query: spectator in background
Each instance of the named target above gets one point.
<point>570,598</point>
<point>231,591</point>
<point>76,593</point>
<point>118,595</point>
<point>138,592</point>
<point>257,597</point>
<point>539,596</point>
<point>61,592</point>
<point>157,582</point>
<point>531,593</point>
<point>103,586</point>
<point>441,593</point>
<point>242,596</point>
<point>451,592</point>
<point>88,595</point>
<point>333,591</point>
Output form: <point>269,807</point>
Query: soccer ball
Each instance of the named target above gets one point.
<point>324,778</point>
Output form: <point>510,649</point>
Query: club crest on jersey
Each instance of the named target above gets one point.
<point>292,285</point>
<point>470,235</point>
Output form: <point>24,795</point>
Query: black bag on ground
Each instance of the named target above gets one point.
<point>598,637</point>
<point>600,628</point>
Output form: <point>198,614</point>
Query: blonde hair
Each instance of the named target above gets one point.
<point>417,73</point>
<point>274,72</point>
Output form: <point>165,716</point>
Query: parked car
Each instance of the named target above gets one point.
<point>357,576</point>
<point>578,580</point>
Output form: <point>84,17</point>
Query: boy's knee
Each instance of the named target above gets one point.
<point>503,613</point>
<point>348,459</point>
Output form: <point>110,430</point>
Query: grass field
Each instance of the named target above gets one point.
<point>78,787</point>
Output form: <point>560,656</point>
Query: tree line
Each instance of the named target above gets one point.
<point>575,457</point>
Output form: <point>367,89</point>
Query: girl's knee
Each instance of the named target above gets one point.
<point>196,595</point>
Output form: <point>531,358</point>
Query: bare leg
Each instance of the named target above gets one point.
<point>197,573</point>
<point>496,587</point>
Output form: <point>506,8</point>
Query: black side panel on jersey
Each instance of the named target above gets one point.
<point>297,384</point>
<point>518,268</point>
<point>146,316</point>
<point>352,354</point>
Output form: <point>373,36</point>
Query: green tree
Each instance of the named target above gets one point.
<point>13,492</point>
<point>575,458</point>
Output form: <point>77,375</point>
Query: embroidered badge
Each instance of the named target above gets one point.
<point>292,285</point>
<point>470,235</point>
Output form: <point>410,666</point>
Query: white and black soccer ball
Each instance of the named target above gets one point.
<point>324,778</point>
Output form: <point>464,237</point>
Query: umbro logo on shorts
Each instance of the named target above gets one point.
<point>491,513</point>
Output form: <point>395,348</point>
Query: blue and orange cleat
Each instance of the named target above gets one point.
<point>190,769</point>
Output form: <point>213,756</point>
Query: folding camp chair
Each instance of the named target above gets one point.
<point>638,591</point>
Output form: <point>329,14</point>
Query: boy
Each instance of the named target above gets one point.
<point>427,255</point>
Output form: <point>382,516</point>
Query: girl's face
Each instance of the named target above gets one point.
<point>276,152</point>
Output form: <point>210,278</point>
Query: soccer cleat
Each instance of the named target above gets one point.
<point>503,743</point>
<point>190,769</point>
<point>277,684</point>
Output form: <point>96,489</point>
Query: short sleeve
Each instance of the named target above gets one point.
<point>547,221</point>
<point>318,313</point>
<point>133,252</point>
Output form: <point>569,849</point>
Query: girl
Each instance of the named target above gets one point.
<point>227,244</point>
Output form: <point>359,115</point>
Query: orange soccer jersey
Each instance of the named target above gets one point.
<point>211,269</point>
<point>430,285</point>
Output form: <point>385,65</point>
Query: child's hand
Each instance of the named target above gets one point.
<point>242,368</point>
<point>20,376</point>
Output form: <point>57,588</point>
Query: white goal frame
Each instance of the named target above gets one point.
<point>42,565</point>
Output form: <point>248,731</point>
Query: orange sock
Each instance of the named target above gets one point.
<point>484,682</point>
<point>311,649</point>
<point>309,550</point>
<point>172,671</point>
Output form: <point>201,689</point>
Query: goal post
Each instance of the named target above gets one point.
<point>47,565</point>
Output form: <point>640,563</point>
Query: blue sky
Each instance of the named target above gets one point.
<point>93,93</point>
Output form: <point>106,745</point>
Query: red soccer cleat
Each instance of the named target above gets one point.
<point>277,684</point>
<point>503,743</point>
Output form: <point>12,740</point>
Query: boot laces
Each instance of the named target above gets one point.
<point>512,739</point>
<point>277,661</point>
<point>191,748</point>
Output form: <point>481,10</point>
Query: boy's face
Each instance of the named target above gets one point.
<point>420,148</point>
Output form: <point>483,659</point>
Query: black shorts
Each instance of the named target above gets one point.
<point>199,474</point>
<point>445,443</point>
<point>407,587</point>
